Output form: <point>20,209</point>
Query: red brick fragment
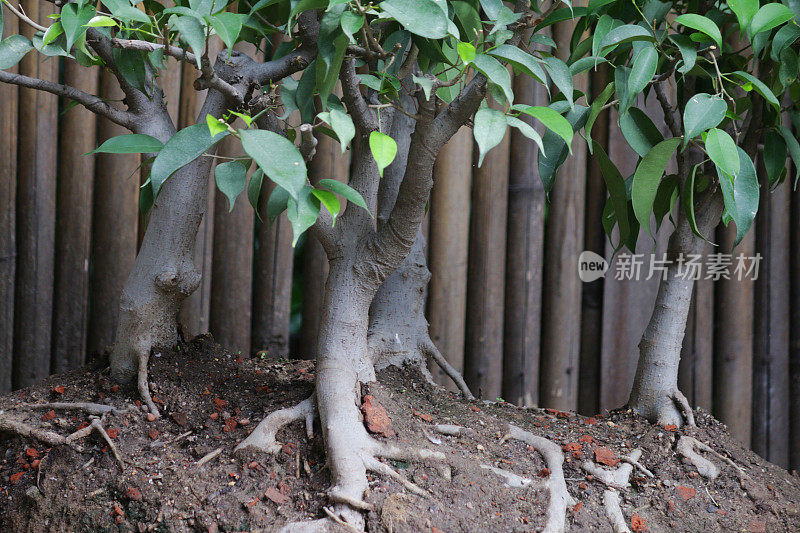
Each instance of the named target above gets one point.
<point>638,524</point>
<point>134,494</point>
<point>605,456</point>
<point>376,418</point>
<point>276,496</point>
<point>687,493</point>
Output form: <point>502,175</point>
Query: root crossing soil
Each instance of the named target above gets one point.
<point>181,473</point>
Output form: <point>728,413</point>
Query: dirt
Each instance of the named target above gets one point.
<point>212,399</point>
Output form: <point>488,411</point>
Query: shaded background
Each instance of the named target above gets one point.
<point>505,302</point>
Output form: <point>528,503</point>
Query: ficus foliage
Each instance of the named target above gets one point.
<point>720,56</point>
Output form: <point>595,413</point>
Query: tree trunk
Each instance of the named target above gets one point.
<point>655,386</point>
<point>164,273</point>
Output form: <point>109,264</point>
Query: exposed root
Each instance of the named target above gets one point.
<point>382,468</point>
<point>637,464</point>
<point>96,409</point>
<point>511,479</point>
<point>144,386</point>
<point>618,477</point>
<point>263,438</point>
<point>683,406</point>
<point>352,502</point>
<point>20,428</point>
<point>452,430</point>
<point>555,484</point>
<point>430,349</point>
<point>688,447</point>
<point>97,426</point>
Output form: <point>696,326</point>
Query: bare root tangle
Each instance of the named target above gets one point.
<point>264,436</point>
<point>555,484</point>
<point>618,477</point>
<point>430,349</point>
<point>97,426</point>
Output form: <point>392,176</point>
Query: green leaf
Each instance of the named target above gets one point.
<point>496,73</point>
<point>775,153</point>
<point>131,143</point>
<point>184,147</point>
<point>643,70</point>
<point>688,50</point>
<point>343,126</point>
<point>329,200</point>
<point>215,125</point>
<point>351,23</point>
<point>526,130</point>
<point>426,83</point>
<point>101,21</point>
<point>688,202</point>
<point>604,25</point>
<point>768,17</point>
<point>647,177</point>
<point>278,157</point>
<point>52,33</point>
<point>231,179</point>
<point>228,26</point>
<point>13,49</point>
<point>760,87</point>
<point>624,34</point>
<point>128,13</point>
<point>277,202</point>
<point>702,112</point>
<point>640,132</point>
<point>666,196</point>
<point>345,191</point>
<point>741,195</point>
<point>701,24</point>
<point>421,17</point>
<point>520,60</point>
<point>783,38</point>
<point>302,212</point>
<point>744,11</point>
<point>254,189</point>
<point>552,120</point>
<point>466,51</point>
<point>597,107</point>
<point>794,150</point>
<point>192,33</point>
<point>617,191</point>
<point>561,76</point>
<point>555,149</point>
<point>131,64</point>
<point>383,148</point>
<point>722,150</point>
<point>490,128</point>
<point>73,20</point>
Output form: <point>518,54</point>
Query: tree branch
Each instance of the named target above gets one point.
<point>670,115</point>
<point>89,101</point>
<point>295,61</point>
<point>354,100</point>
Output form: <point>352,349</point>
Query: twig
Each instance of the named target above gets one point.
<point>23,17</point>
<point>209,457</point>
<point>100,429</point>
<point>97,409</point>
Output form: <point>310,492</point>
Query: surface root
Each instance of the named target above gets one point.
<point>263,438</point>
<point>555,484</point>
<point>611,478</point>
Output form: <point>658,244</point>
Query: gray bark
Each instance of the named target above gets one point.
<point>655,385</point>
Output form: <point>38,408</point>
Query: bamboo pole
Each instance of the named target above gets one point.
<point>448,248</point>
<point>561,307</point>
<point>114,226</point>
<point>524,260</point>
<point>595,240</point>
<point>9,114</point>
<point>483,348</point>
<point>36,211</point>
<point>74,224</point>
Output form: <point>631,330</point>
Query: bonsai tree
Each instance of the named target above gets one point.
<point>734,67</point>
<point>411,74</point>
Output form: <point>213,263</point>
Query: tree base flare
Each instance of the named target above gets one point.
<point>664,409</point>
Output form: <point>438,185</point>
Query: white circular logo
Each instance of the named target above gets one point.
<point>591,266</point>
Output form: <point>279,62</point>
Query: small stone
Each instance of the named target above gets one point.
<point>151,417</point>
